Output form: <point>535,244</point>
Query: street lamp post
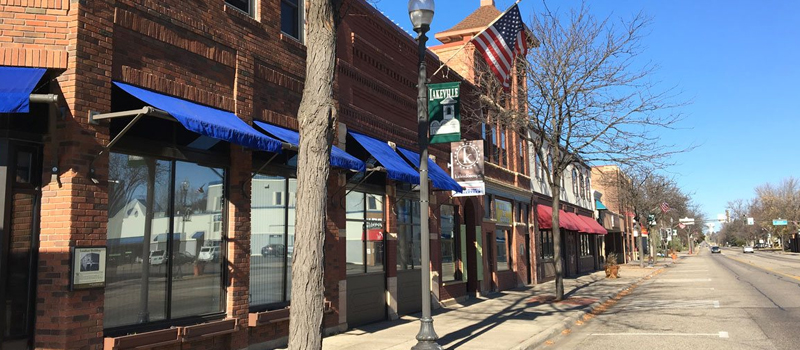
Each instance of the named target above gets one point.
<point>421,14</point>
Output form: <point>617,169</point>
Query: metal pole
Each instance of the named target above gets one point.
<point>426,338</point>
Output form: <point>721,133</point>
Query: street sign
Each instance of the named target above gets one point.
<point>750,221</point>
<point>687,221</point>
<point>780,222</point>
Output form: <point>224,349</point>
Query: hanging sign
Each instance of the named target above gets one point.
<point>466,158</point>
<point>444,112</point>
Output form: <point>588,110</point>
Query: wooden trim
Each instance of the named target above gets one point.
<point>144,340</point>
<point>210,329</point>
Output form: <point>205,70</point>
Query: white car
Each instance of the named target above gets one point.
<point>209,254</point>
<point>747,249</point>
<point>158,257</point>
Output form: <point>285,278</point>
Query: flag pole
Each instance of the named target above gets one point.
<point>441,65</point>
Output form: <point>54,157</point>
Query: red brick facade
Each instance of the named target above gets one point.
<point>209,53</point>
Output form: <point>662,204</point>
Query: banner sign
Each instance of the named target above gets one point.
<point>444,112</point>
<point>780,222</point>
<point>466,158</point>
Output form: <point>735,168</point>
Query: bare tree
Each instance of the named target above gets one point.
<point>582,97</point>
<point>780,201</point>
<point>317,119</point>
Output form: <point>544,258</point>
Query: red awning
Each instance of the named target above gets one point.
<point>544,216</point>
<point>594,226</point>
<point>569,221</point>
<point>583,226</point>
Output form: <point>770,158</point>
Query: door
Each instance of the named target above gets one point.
<point>366,279</point>
<point>20,180</point>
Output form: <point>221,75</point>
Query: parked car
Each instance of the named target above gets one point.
<point>273,250</point>
<point>158,257</point>
<point>715,249</point>
<point>208,254</point>
<point>747,249</point>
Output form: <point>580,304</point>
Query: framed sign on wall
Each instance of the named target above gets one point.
<point>88,268</point>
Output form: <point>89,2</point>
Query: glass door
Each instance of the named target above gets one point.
<point>21,167</point>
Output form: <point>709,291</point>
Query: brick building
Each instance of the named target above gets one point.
<point>617,217</point>
<point>163,133</point>
<point>167,140</point>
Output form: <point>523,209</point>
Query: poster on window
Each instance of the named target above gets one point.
<point>88,267</point>
<point>444,112</point>
<point>466,158</point>
<point>504,211</point>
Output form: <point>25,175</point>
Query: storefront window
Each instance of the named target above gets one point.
<point>365,225</point>
<point>584,246</point>
<point>272,220</point>
<point>502,250</point>
<point>160,219</point>
<point>408,234</point>
<point>546,244</point>
<point>451,269</point>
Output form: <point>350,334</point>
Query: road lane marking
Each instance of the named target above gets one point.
<point>718,334</point>
<point>671,304</point>
<point>763,268</point>
<point>681,280</point>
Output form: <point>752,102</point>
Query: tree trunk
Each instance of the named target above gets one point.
<point>317,119</point>
<point>556,193</point>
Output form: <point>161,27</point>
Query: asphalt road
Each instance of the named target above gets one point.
<point>720,301</point>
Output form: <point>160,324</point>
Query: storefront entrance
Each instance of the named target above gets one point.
<point>20,185</point>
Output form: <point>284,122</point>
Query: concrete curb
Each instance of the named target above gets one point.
<point>569,321</point>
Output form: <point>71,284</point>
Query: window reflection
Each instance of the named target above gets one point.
<point>144,251</point>
<point>365,233</point>
<point>408,234</point>
<point>272,215</point>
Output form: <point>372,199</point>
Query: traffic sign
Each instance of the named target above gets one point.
<point>780,222</point>
<point>681,225</point>
<point>750,221</point>
<point>687,221</point>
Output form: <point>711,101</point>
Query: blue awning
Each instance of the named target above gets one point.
<point>600,206</point>
<point>396,167</point>
<point>112,242</point>
<point>437,175</point>
<point>162,237</point>
<point>198,234</point>
<point>16,85</point>
<point>207,121</point>
<point>339,157</point>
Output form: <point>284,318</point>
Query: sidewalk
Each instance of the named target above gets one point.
<point>515,319</point>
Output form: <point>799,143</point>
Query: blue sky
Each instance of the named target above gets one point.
<point>736,62</point>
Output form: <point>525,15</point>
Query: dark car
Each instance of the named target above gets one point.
<point>715,249</point>
<point>273,250</point>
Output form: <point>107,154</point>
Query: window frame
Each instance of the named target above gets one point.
<point>250,7</point>
<point>366,192</point>
<point>287,204</point>
<point>415,221</point>
<point>213,161</point>
<point>458,274</point>
<point>300,18</point>
<point>506,243</point>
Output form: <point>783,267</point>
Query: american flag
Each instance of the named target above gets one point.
<point>501,42</point>
<point>664,207</point>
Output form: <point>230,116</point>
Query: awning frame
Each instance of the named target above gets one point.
<point>137,114</point>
